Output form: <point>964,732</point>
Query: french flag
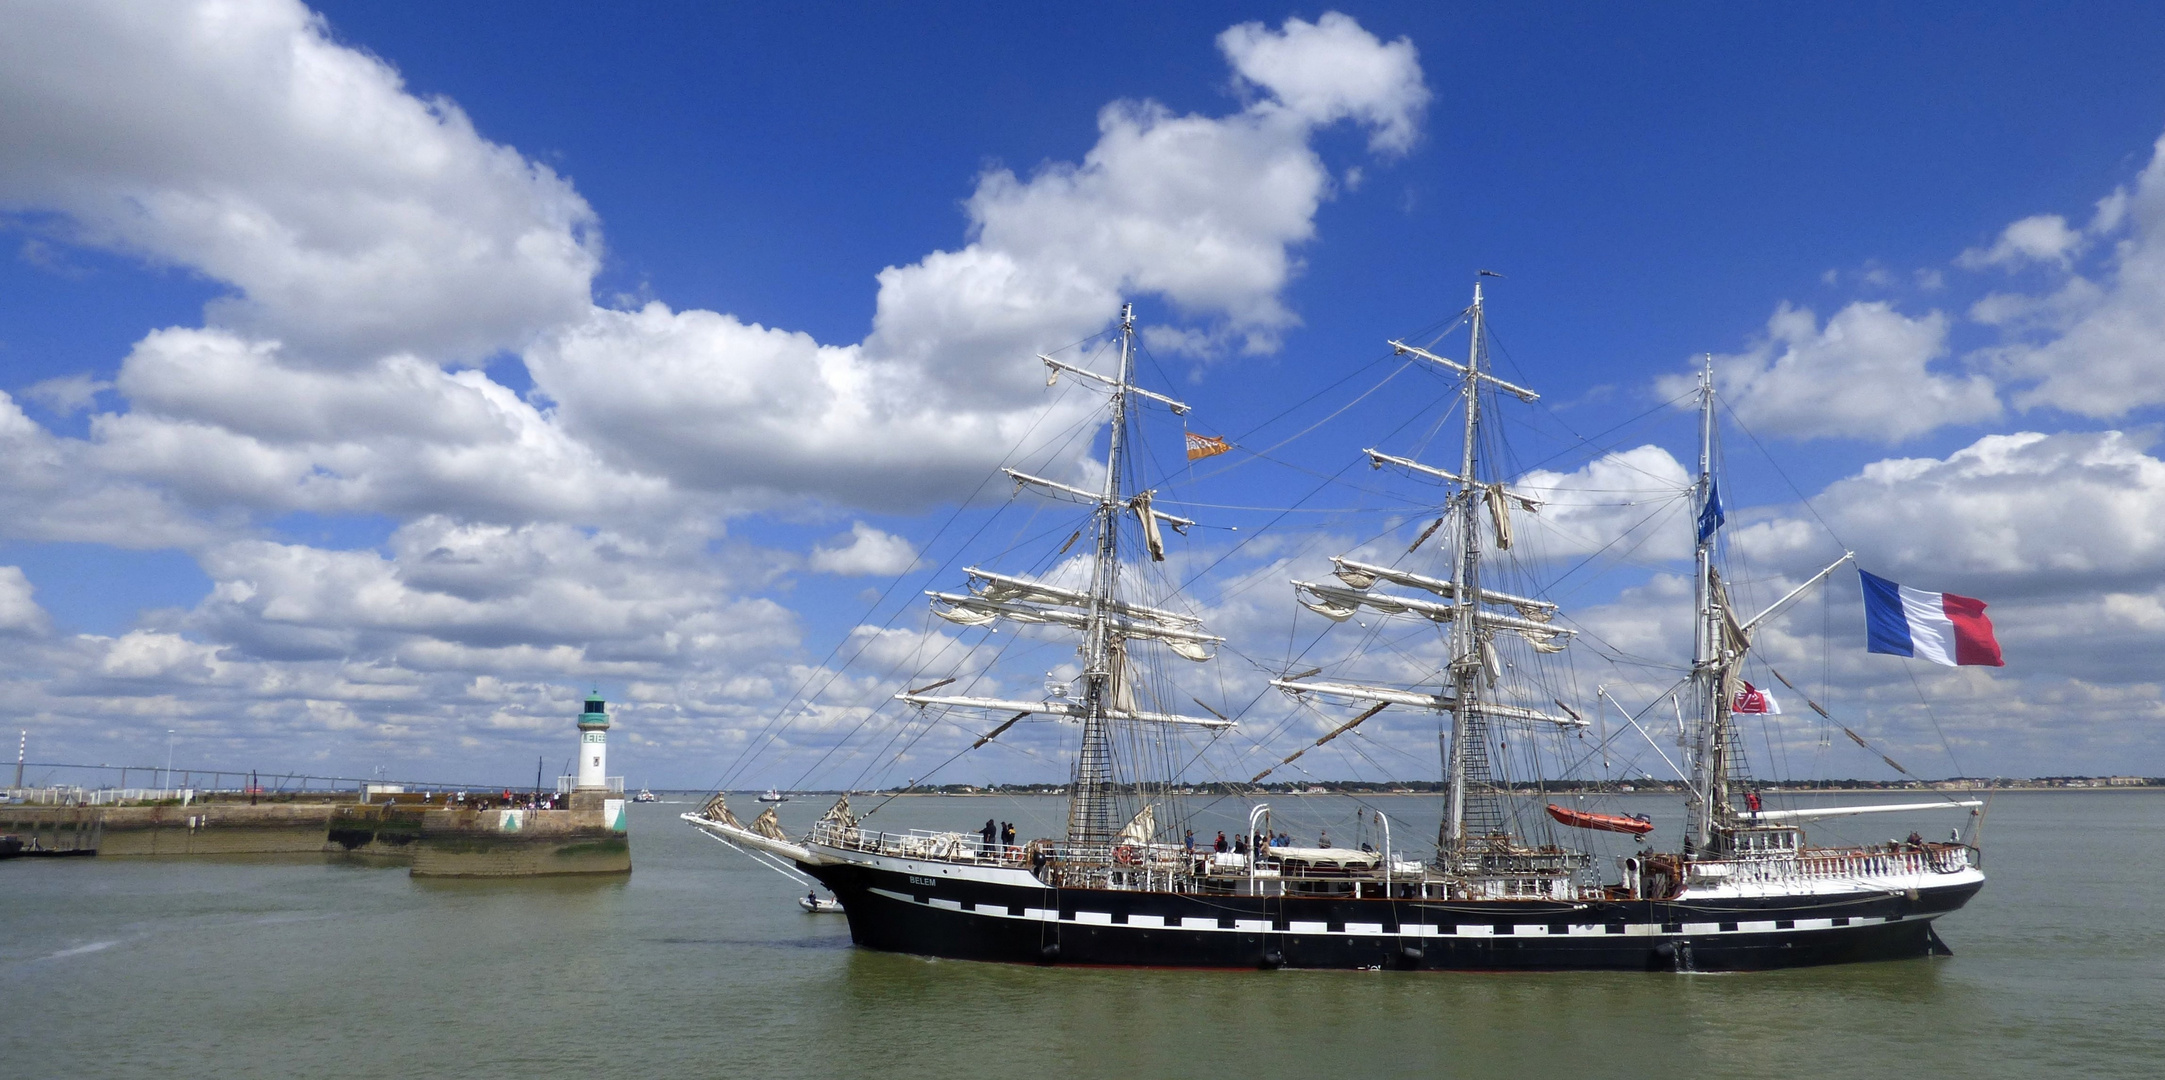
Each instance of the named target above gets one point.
<point>1940,627</point>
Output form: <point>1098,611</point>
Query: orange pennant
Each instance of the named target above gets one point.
<point>1203,446</point>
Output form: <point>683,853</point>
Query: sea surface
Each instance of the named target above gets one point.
<point>700,964</point>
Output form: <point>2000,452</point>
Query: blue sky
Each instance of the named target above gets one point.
<point>348,437</point>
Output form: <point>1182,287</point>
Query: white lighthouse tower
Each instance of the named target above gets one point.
<point>594,745</point>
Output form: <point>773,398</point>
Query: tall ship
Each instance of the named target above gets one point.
<point>1513,880</point>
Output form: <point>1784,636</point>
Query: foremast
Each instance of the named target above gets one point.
<point>1474,836</point>
<point>1106,623</point>
<point>1090,813</point>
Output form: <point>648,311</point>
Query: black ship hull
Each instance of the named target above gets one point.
<point>996,921</point>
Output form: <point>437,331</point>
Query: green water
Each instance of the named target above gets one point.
<point>700,965</point>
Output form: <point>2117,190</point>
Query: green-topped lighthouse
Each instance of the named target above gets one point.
<point>594,745</point>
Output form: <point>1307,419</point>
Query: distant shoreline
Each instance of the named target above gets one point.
<point>2119,789</point>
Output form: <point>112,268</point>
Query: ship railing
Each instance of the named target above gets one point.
<point>970,847</point>
<point>935,845</point>
<point>1118,864</point>
<point>1838,864</point>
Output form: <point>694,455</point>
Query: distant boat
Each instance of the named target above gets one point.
<point>646,796</point>
<point>815,905</point>
<point>773,796</point>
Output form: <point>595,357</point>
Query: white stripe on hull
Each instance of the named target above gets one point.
<point>1483,929</point>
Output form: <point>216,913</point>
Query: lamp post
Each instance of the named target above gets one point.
<point>167,785</point>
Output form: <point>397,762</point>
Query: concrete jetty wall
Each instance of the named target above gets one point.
<point>372,829</point>
<point>587,838</point>
<point>199,829</point>
<point>53,828</point>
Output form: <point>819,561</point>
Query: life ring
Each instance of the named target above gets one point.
<point>1127,855</point>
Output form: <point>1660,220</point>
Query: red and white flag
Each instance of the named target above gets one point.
<point>1751,699</point>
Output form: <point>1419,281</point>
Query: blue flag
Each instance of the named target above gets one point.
<point>1710,515</point>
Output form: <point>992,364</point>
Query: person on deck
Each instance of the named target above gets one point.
<point>1189,841</point>
<point>1219,846</point>
<point>990,832</point>
<point>1007,834</point>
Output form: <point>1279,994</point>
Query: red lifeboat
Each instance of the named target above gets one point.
<point>1584,819</point>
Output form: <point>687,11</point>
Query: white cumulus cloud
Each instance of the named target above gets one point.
<point>1865,375</point>
<point>1332,69</point>
<point>2091,344</point>
<point>350,217</point>
<point>2042,238</point>
<point>225,420</point>
<point>19,610</point>
<point>375,247</point>
<point>1204,212</point>
<point>864,550</point>
<point>1638,493</point>
<point>2026,506</point>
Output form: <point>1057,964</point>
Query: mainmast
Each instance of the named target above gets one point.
<point>1466,758</point>
<point>1473,820</point>
<point>1090,800</point>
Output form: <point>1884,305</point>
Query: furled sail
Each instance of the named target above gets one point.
<point>1339,604</point>
<point>1152,538</point>
<point>1361,575</point>
<point>1499,511</point>
<point>1439,702</point>
<point>1142,828</point>
<point>1072,710</point>
<point>1009,587</point>
<point>838,815</point>
<point>970,609</point>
